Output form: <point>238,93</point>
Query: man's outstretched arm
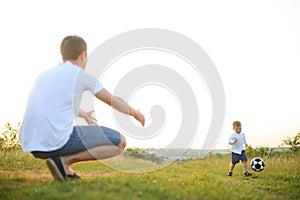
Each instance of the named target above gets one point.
<point>120,105</point>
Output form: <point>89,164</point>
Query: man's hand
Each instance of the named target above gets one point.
<point>139,117</point>
<point>87,116</point>
<point>235,140</point>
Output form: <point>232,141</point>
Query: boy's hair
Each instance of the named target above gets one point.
<point>236,124</point>
<point>71,47</point>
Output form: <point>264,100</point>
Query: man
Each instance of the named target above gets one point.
<point>47,129</point>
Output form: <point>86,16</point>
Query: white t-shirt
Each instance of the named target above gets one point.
<point>238,146</point>
<point>53,105</point>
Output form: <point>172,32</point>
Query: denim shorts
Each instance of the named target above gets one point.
<point>83,138</point>
<point>236,158</point>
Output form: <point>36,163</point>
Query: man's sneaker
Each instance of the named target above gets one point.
<point>247,174</point>
<point>229,174</point>
<point>56,168</point>
<point>72,176</point>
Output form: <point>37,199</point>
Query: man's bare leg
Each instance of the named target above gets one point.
<point>96,153</point>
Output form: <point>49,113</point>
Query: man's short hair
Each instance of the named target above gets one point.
<point>71,47</point>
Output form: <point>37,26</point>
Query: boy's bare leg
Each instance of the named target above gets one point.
<point>96,153</point>
<point>231,167</point>
<point>245,166</point>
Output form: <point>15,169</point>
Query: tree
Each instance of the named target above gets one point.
<point>293,142</point>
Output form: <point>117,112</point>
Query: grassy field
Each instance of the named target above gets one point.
<point>23,177</point>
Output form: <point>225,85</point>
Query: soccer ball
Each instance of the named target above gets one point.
<point>257,164</point>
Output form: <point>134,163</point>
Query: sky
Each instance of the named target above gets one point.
<point>255,46</point>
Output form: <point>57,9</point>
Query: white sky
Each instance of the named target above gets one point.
<point>255,46</point>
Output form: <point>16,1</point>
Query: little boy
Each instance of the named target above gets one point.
<point>238,152</point>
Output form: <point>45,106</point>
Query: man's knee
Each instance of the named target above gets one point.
<point>122,144</point>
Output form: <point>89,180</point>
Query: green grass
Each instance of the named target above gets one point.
<point>23,177</point>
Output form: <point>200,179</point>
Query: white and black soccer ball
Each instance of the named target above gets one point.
<point>257,164</point>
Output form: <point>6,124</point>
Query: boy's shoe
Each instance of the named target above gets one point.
<point>56,168</point>
<point>229,174</point>
<point>247,174</point>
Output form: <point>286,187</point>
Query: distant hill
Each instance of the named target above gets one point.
<point>195,153</point>
<point>190,153</point>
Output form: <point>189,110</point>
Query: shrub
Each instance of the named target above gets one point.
<point>260,151</point>
<point>9,136</point>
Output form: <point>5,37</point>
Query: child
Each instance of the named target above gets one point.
<point>237,140</point>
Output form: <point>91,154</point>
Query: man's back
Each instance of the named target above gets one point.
<point>49,113</point>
